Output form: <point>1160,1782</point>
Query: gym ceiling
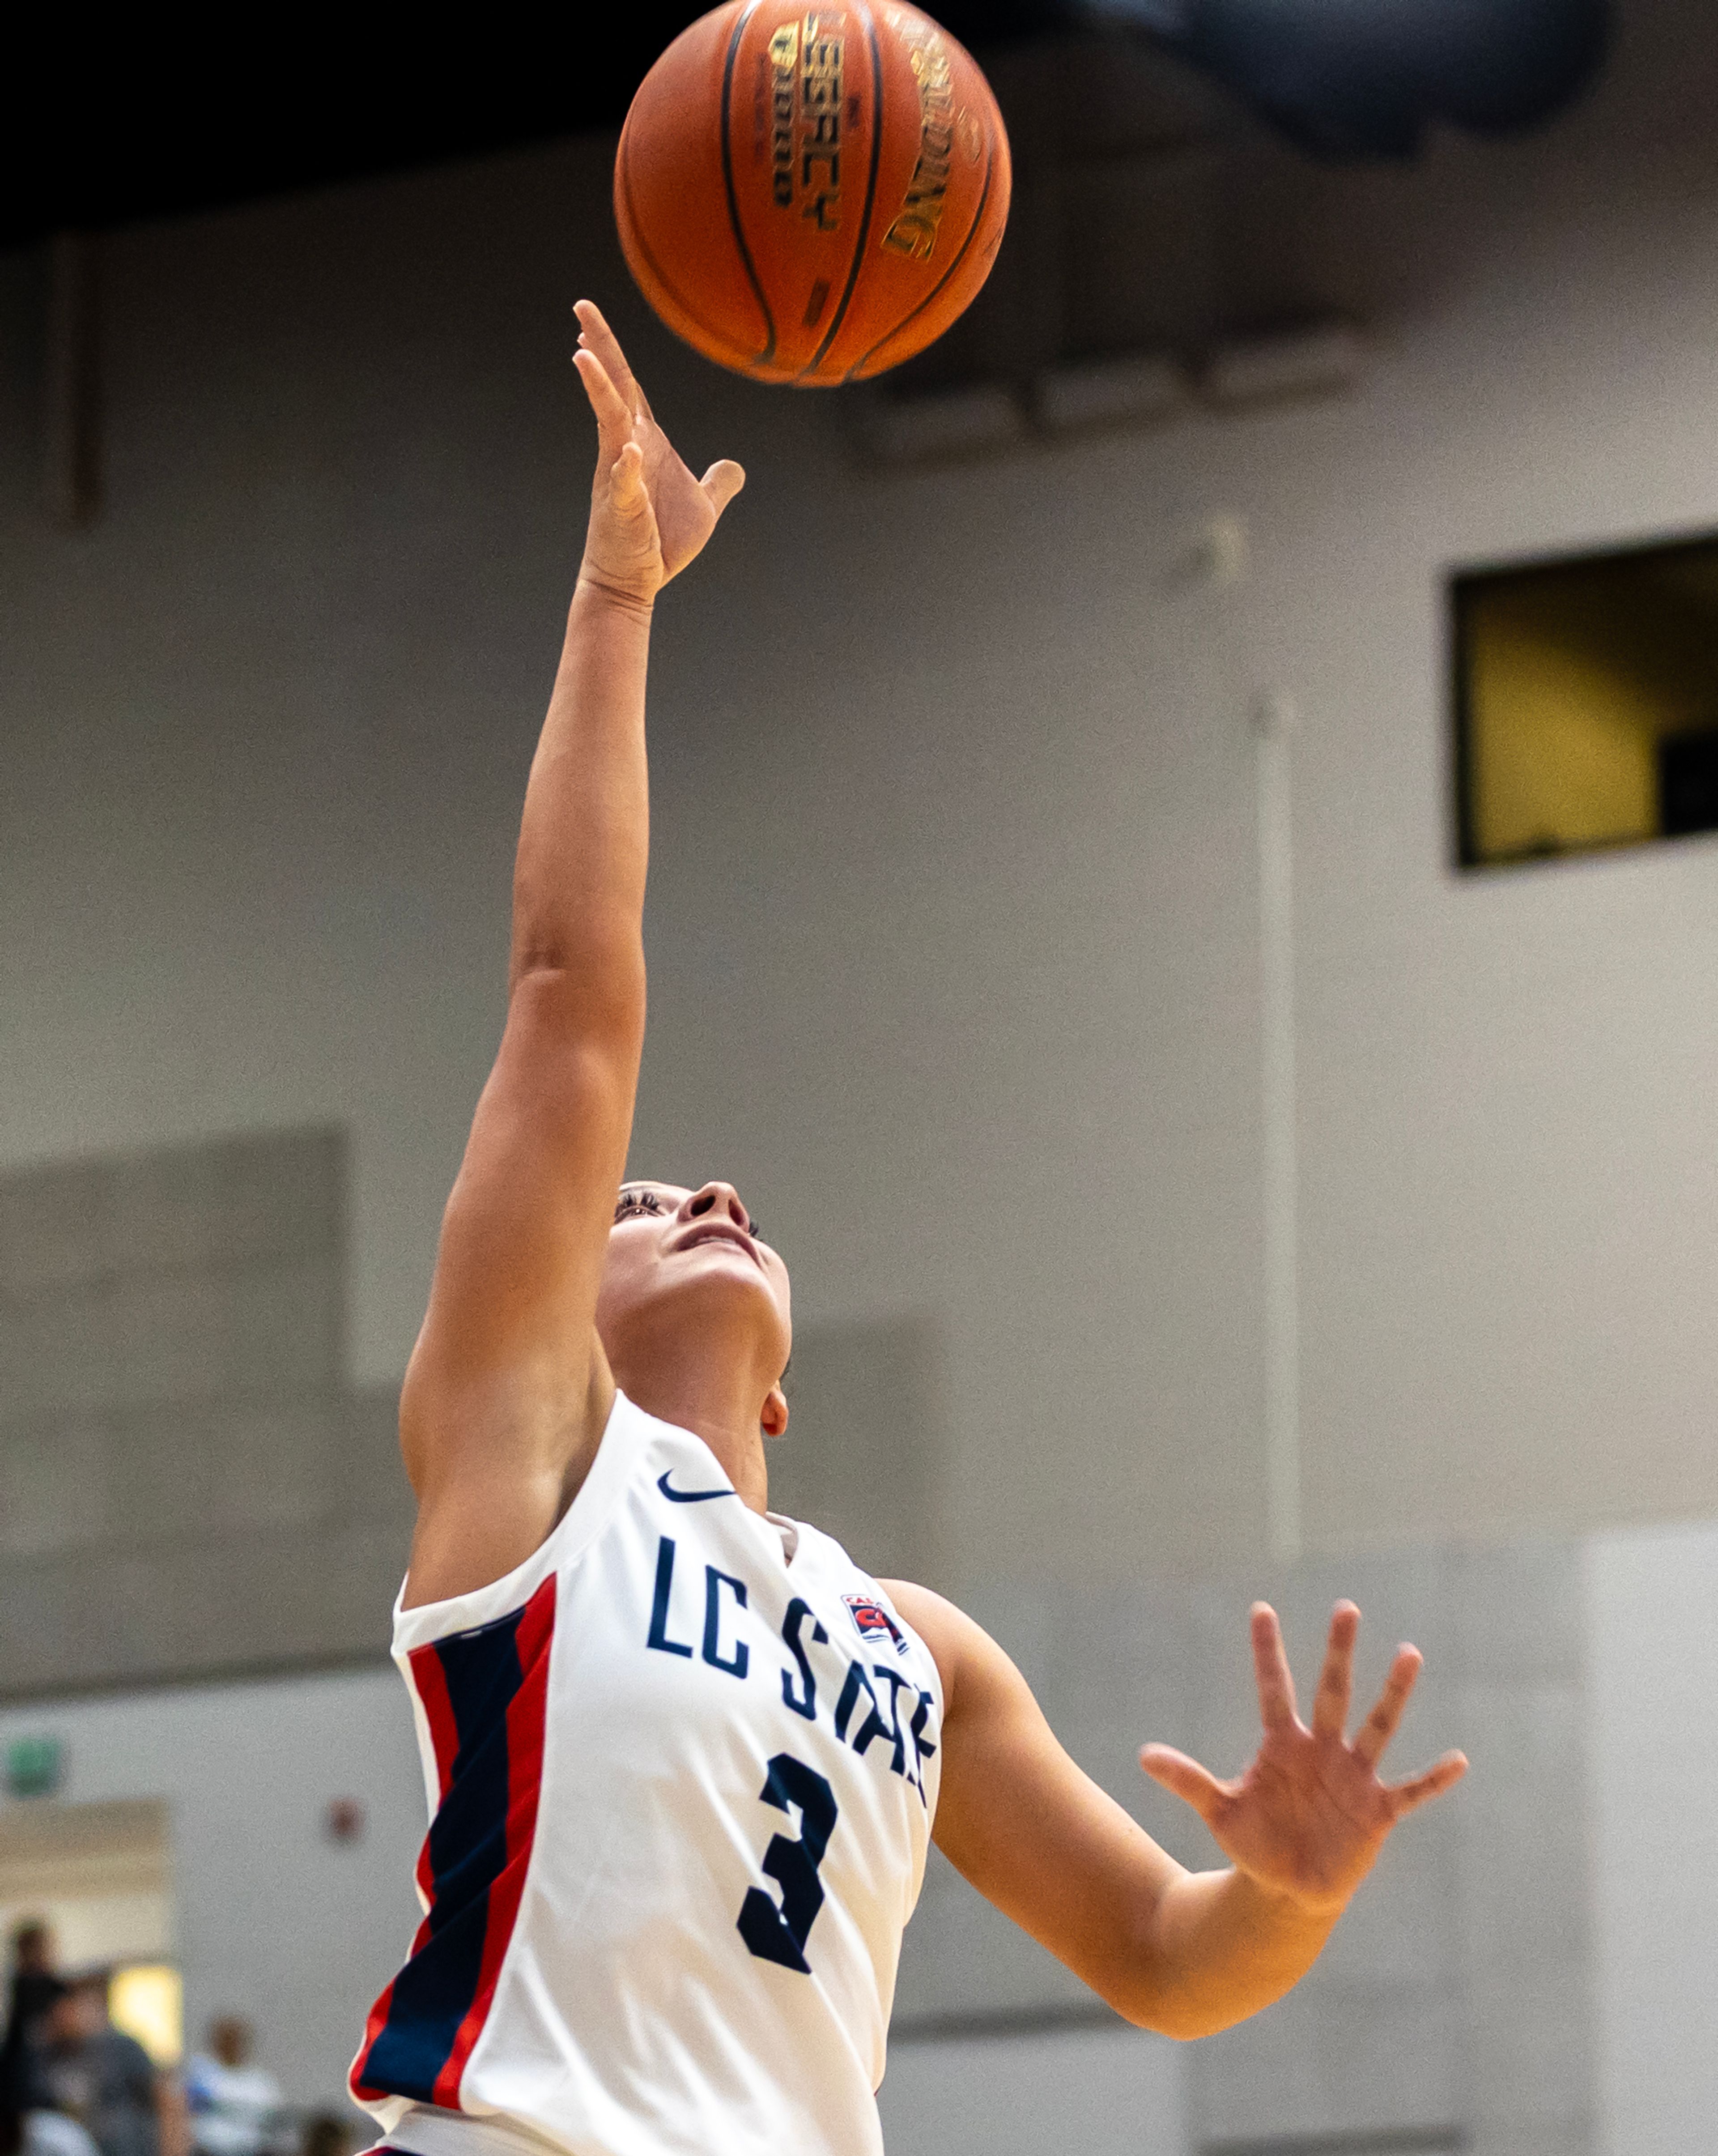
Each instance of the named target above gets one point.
<point>115,120</point>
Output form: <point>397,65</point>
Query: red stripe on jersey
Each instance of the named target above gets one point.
<point>430,1680</point>
<point>373,2027</point>
<point>526,1714</point>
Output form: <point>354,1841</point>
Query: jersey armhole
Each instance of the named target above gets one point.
<point>617,1452</point>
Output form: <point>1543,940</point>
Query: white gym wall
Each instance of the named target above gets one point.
<point>1102,2093</point>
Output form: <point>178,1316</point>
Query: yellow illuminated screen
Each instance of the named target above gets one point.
<point>148,2002</point>
<point>1587,703</point>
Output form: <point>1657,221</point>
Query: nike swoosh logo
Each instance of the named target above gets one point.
<point>689,1496</point>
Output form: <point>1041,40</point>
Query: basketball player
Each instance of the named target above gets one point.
<point>685,1757</point>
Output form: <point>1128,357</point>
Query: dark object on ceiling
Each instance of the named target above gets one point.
<point>1347,78</point>
<point>1688,781</point>
<point>173,122</point>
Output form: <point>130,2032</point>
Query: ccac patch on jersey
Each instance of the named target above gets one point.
<point>873,1622</point>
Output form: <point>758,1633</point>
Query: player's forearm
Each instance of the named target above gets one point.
<point>1220,1948</point>
<point>578,884</point>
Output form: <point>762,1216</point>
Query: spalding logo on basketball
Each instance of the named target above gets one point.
<point>812,195</point>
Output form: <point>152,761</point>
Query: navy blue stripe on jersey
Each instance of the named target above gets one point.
<point>473,1688</point>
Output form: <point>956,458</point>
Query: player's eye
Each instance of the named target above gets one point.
<point>633,1203</point>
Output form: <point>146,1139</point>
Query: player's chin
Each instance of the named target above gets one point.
<point>718,1261</point>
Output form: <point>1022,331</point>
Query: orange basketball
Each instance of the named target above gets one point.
<point>812,195</point>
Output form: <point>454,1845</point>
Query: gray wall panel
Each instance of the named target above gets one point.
<point>866,1440</point>
<point>187,1484</point>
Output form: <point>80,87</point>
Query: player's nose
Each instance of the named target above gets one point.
<point>717,1198</point>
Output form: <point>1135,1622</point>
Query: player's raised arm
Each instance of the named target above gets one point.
<point>507,1393</point>
<point>1183,1953</point>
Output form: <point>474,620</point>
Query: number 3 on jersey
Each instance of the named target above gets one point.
<point>779,1934</point>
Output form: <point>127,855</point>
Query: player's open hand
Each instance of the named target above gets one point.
<point>648,515</point>
<point>1309,1816</point>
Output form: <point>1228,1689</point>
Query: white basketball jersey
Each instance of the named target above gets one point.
<point>681,1768</point>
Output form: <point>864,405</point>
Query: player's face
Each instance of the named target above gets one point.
<point>698,1245</point>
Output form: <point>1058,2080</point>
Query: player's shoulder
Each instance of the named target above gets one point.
<point>931,1616</point>
<point>967,1659</point>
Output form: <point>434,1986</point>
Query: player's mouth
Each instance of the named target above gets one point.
<point>719,1231</point>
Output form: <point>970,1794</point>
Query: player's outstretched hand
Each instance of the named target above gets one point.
<point>648,515</point>
<point>1309,1816</point>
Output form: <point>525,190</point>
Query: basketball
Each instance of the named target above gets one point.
<point>811,195</point>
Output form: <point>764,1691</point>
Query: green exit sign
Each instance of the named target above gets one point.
<point>35,1766</point>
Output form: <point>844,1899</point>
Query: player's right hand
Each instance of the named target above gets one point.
<point>648,515</point>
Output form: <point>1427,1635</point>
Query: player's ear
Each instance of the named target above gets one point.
<point>774,1418</point>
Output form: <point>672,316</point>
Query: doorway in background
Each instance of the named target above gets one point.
<point>100,1878</point>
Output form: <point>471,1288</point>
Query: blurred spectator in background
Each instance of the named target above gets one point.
<point>32,1990</point>
<point>28,2127</point>
<point>235,2107</point>
<point>35,1984</point>
<point>326,2134</point>
<point>106,2080</point>
<point>41,2133</point>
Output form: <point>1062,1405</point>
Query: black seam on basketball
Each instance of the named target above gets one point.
<point>655,268</point>
<point>768,353</point>
<point>912,313</point>
<point>859,252</point>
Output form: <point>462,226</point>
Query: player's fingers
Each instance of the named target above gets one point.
<point>1184,1778</point>
<point>1336,1680</point>
<point>1271,1666</point>
<point>596,335</point>
<point>722,482</point>
<point>614,421</point>
<point>1379,1727</point>
<point>1418,1790</point>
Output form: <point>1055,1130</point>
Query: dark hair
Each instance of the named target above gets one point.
<point>325,2134</point>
